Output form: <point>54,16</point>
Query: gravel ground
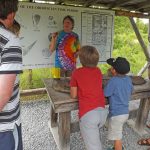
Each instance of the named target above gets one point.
<point>37,136</point>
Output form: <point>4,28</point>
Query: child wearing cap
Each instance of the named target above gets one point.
<point>118,92</point>
<point>86,83</point>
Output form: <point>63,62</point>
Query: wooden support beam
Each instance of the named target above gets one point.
<point>130,14</point>
<point>88,3</point>
<point>33,92</point>
<point>143,69</point>
<point>54,117</point>
<point>149,47</point>
<point>143,5</point>
<point>64,130</point>
<point>145,50</point>
<point>59,2</point>
<point>143,109</point>
<point>149,72</point>
<point>118,3</point>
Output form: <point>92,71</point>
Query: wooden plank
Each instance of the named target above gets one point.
<point>130,14</point>
<point>33,92</point>
<point>143,5</point>
<point>66,107</point>
<point>139,37</point>
<point>53,117</point>
<point>141,88</point>
<point>140,95</point>
<point>142,114</point>
<point>61,102</point>
<point>64,130</point>
<point>143,69</point>
<point>30,78</point>
<point>118,3</point>
<point>56,97</point>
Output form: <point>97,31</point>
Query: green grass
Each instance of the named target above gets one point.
<point>36,81</point>
<point>37,75</point>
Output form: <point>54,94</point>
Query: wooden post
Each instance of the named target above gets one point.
<point>144,103</point>
<point>30,78</point>
<point>64,130</point>
<point>145,50</point>
<point>149,47</point>
<point>143,69</point>
<point>149,72</point>
<point>53,118</point>
<point>142,114</point>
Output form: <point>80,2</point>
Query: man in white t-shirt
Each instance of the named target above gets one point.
<point>10,67</point>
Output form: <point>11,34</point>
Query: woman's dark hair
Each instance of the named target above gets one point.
<point>70,18</point>
<point>7,7</point>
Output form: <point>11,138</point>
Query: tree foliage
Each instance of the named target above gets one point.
<point>126,43</point>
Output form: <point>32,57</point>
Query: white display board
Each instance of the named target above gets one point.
<point>95,27</point>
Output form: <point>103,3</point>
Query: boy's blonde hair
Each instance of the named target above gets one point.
<point>88,56</point>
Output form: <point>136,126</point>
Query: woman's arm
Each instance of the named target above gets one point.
<point>53,42</point>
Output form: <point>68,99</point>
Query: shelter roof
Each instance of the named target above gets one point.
<point>135,8</point>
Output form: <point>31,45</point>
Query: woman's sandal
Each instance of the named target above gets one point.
<point>145,142</point>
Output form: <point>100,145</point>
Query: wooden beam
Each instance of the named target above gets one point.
<point>145,50</point>
<point>64,130</point>
<point>118,3</point>
<point>149,32</point>
<point>33,92</point>
<point>88,3</point>
<point>143,109</point>
<point>53,118</point>
<point>149,72</point>
<point>59,2</point>
<point>142,5</point>
<point>149,47</point>
<point>131,14</point>
<point>143,69</point>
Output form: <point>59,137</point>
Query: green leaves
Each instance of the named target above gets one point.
<point>126,43</point>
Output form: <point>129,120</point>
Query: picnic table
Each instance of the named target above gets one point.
<point>62,105</point>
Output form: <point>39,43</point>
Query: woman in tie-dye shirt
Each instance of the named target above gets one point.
<point>66,44</point>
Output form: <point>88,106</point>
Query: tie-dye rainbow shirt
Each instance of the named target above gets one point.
<point>66,46</point>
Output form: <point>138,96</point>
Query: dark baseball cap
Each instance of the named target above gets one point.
<point>120,64</point>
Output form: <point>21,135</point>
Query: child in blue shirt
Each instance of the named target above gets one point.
<point>118,92</point>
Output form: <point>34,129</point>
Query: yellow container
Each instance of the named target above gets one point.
<point>55,72</point>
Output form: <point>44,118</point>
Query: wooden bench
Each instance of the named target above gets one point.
<point>62,105</point>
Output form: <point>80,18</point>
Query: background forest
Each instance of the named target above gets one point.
<point>125,45</point>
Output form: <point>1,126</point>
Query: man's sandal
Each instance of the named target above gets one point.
<point>145,142</point>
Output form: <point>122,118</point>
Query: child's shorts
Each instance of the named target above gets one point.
<point>115,126</point>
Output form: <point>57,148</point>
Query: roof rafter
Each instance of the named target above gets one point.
<point>118,3</point>
<point>139,7</point>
